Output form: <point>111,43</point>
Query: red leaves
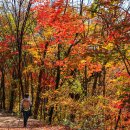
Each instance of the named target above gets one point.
<point>59,63</point>
<point>119,105</point>
<point>14,53</point>
<point>3,46</point>
<point>114,35</point>
<point>122,74</point>
<point>64,25</point>
<point>41,46</point>
<point>26,47</point>
<point>57,3</point>
<point>9,38</point>
<point>48,81</point>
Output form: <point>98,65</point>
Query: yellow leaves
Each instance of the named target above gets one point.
<point>109,64</point>
<point>118,93</point>
<point>128,53</point>
<point>68,101</point>
<point>87,60</point>
<point>47,33</point>
<point>92,27</point>
<point>31,43</point>
<point>109,46</point>
<point>29,68</point>
<point>87,13</point>
<point>83,61</point>
<point>35,53</point>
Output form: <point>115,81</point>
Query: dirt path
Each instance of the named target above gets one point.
<point>14,123</point>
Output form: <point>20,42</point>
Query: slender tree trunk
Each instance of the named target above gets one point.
<point>12,99</point>
<point>57,84</point>
<point>94,83</point>
<point>104,81</point>
<point>41,110</point>
<point>118,119</point>
<point>27,83</point>
<point>20,68</point>
<point>0,97</point>
<point>85,81</point>
<point>51,111</point>
<point>125,59</point>
<point>45,100</point>
<point>32,89</point>
<point>1,94</point>
<point>12,94</point>
<point>81,7</point>
<point>3,87</point>
<point>20,30</point>
<point>37,102</point>
<point>58,77</point>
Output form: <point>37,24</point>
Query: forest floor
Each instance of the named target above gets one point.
<point>8,122</point>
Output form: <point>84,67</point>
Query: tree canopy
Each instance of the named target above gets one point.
<point>72,57</point>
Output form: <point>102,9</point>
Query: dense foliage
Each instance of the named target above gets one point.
<point>73,58</point>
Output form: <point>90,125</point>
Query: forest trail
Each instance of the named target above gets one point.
<point>8,122</point>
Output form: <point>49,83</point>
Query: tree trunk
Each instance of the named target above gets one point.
<point>94,83</point>
<point>85,81</point>
<point>3,88</point>
<point>1,95</point>
<point>32,90</point>
<point>12,99</point>
<point>45,100</point>
<point>51,114</point>
<point>37,102</point>
<point>27,83</point>
<point>51,111</point>
<point>118,119</point>
<point>104,82</point>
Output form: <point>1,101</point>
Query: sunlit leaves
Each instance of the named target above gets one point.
<point>63,26</point>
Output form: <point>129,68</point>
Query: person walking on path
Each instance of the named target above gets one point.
<point>26,108</point>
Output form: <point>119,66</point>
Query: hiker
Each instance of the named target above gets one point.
<point>26,108</point>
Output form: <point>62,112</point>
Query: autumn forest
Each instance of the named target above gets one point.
<point>72,57</point>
